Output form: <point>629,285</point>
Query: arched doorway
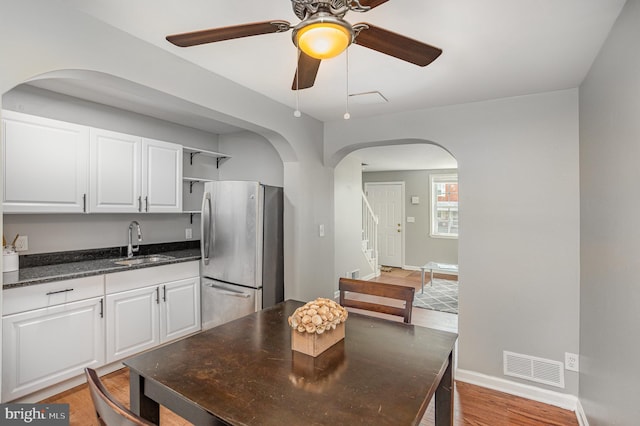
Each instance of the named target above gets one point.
<point>413,174</point>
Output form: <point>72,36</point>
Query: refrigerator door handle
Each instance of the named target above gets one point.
<point>205,225</point>
<point>229,292</point>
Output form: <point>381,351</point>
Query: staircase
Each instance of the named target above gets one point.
<point>370,235</point>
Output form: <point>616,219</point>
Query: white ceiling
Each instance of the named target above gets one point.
<point>492,48</point>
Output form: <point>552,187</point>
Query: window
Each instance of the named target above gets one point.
<point>444,206</point>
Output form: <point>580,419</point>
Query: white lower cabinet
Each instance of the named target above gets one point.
<point>52,331</point>
<point>45,346</point>
<point>132,322</point>
<point>143,318</point>
<point>180,312</point>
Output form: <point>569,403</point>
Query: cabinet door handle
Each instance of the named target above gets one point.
<point>164,293</point>
<point>140,204</point>
<point>158,295</point>
<point>84,203</point>
<point>146,204</point>
<point>101,308</point>
<point>59,291</point>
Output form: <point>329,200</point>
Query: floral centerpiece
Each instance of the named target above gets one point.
<point>317,326</point>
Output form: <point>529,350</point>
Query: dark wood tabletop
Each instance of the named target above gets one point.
<point>245,373</point>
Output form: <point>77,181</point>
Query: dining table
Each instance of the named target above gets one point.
<point>244,372</point>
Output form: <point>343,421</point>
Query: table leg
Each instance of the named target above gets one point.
<point>444,397</point>
<point>422,279</point>
<point>431,278</point>
<point>142,405</point>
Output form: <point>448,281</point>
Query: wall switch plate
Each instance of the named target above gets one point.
<point>321,230</point>
<point>411,219</point>
<point>188,233</point>
<point>571,361</point>
<point>22,243</point>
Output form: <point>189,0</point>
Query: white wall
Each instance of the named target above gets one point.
<point>63,232</point>
<point>610,235</point>
<point>252,158</point>
<point>519,218</point>
<point>348,220</point>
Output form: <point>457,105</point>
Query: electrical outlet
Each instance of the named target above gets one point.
<point>22,243</point>
<point>571,361</point>
<point>188,233</point>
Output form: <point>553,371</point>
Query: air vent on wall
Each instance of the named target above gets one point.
<point>532,368</point>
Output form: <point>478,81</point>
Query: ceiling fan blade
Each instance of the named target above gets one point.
<point>372,3</point>
<point>306,73</point>
<point>399,46</point>
<point>227,33</point>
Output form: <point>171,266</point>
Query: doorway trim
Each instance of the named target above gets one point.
<point>402,217</point>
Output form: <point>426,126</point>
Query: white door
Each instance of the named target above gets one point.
<point>161,176</point>
<point>46,346</point>
<point>45,164</point>
<point>115,172</point>
<point>132,322</point>
<point>180,310</point>
<point>387,200</point>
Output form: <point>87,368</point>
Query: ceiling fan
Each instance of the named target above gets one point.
<point>322,34</point>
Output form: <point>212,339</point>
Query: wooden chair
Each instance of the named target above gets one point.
<point>108,410</point>
<point>373,288</point>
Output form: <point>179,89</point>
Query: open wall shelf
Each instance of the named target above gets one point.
<point>193,152</point>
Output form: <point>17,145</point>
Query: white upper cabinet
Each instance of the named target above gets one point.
<point>115,178</point>
<point>51,166</point>
<point>45,165</point>
<point>131,174</point>
<point>161,176</point>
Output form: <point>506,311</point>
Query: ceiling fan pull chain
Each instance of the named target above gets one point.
<point>346,114</point>
<point>297,112</point>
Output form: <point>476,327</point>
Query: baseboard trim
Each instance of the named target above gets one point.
<point>568,402</point>
<point>441,275</point>
<point>580,414</point>
<point>411,268</point>
<point>370,276</point>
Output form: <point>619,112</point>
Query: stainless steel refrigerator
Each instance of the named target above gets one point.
<point>242,250</point>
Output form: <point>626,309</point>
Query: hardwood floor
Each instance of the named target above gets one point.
<point>81,410</point>
<point>424,317</point>
<point>474,405</point>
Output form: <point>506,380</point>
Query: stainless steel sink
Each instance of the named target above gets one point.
<point>143,260</point>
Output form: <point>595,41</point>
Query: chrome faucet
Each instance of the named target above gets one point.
<point>130,248</point>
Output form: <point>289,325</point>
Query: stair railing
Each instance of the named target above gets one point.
<point>369,233</point>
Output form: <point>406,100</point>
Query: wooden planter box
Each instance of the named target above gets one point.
<point>314,344</point>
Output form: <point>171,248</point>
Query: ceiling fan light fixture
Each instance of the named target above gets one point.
<point>323,37</point>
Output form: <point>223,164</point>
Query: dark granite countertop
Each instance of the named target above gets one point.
<point>69,265</point>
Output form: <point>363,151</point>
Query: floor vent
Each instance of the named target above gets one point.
<point>535,369</point>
